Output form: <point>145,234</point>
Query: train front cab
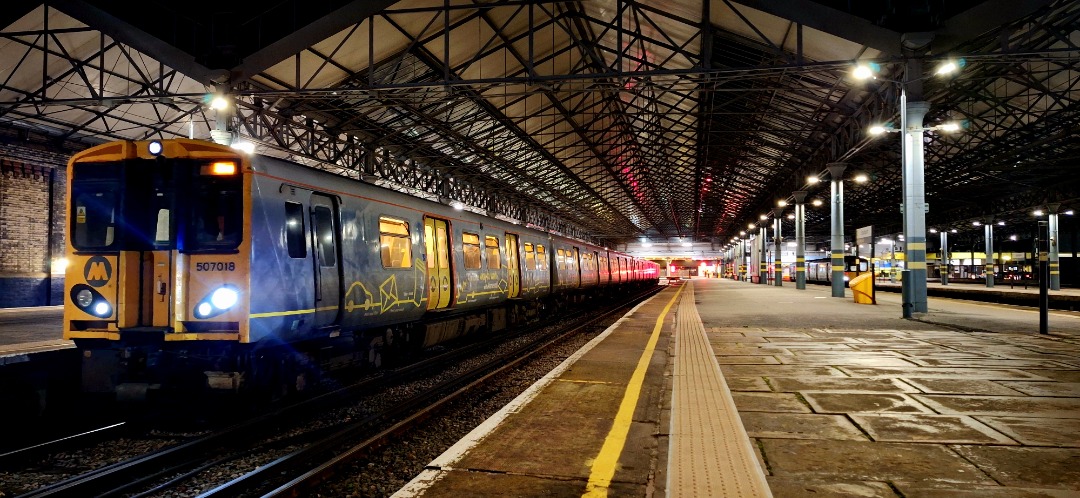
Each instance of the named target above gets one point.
<point>157,253</point>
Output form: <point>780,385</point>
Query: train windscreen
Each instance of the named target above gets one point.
<point>156,204</point>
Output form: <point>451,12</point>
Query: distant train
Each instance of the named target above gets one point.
<point>819,271</point>
<point>193,264</point>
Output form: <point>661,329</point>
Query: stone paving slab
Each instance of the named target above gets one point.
<point>1067,389</point>
<point>943,373</point>
<point>747,383</point>
<point>1039,431</point>
<point>728,339</point>
<point>853,359</point>
<point>748,360</point>
<point>838,384</point>
<point>1027,467</point>
<point>923,428</point>
<point>799,426</point>
<point>802,488</point>
<point>988,362</point>
<point>780,370</point>
<point>769,402</point>
<point>920,490</point>
<point>1002,405</point>
<point>1058,375</point>
<point>869,461</point>
<point>828,402</point>
<point>961,386</point>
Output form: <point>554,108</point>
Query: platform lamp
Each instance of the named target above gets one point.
<point>912,151</point>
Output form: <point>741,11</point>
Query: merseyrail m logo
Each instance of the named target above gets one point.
<point>97,271</point>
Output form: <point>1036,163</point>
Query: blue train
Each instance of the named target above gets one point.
<point>192,264</point>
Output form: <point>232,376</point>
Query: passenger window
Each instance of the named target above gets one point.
<point>470,243</point>
<point>530,257</point>
<point>492,244</point>
<point>541,258</point>
<point>294,230</point>
<point>394,243</point>
<point>324,236</point>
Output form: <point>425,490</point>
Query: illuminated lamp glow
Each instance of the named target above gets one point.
<point>223,168</point>
<point>102,309</point>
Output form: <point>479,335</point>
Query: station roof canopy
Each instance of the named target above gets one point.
<point>610,120</point>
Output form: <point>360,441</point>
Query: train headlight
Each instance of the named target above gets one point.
<point>102,309</point>
<point>84,298</point>
<point>224,298</point>
<point>91,301</point>
<point>219,301</point>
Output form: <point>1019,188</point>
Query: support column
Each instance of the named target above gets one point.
<point>915,206</point>
<point>778,239</point>
<point>800,239</point>
<point>763,263</point>
<point>945,257</point>
<point>1055,256</point>
<point>988,263</point>
<point>744,269</point>
<point>836,171</point>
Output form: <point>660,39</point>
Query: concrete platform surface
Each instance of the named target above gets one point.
<point>846,399</point>
<point>836,399</point>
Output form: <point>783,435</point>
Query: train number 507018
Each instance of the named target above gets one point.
<point>215,266</point>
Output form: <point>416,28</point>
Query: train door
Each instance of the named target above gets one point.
<point>437,242</point>
<point>324,215</point>
<point>513,266</point>
<point>577,269</point>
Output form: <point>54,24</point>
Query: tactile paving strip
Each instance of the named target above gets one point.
<point>710,453</point>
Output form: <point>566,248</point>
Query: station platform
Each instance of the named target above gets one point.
<point>742,390</point>
<point>1004,292</point>
<point>25,331</point>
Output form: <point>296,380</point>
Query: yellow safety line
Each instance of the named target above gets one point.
<point>603,467</point>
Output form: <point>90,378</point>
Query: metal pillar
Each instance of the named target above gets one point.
<point>944,258</point>
<point>915,203</point>
<point>744,270</point>
<point>1043,247</point>
<point>1055,257</point>
<point>988,263</point>
<point>836,170</point>
<point>800,239</point>
<point>763,263</point>
<point>778,239</point>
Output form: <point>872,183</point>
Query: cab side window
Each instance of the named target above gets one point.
<point>294,230</point>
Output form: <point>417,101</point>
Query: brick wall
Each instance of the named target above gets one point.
<point>30,179</point>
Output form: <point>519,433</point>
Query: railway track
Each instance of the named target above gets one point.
<point>272,455</point>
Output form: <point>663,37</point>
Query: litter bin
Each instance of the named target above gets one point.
<point>907,293</point>
<point>862,288</point>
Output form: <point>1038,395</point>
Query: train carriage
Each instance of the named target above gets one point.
<point>191,259</point>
